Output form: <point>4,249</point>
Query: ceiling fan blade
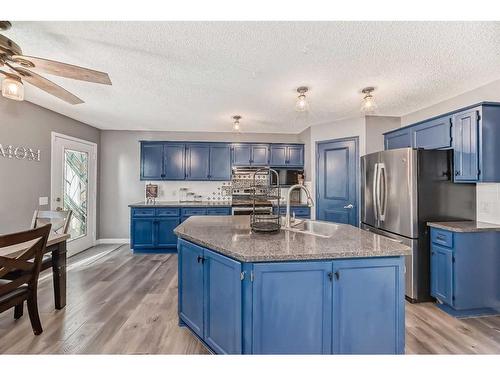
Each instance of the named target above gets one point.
<point>46,85</point>
<point>65,70</point>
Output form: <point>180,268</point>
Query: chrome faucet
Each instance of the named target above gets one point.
<point>310,202</point>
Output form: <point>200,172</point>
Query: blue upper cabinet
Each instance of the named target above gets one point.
<point>220,162</point>
<point>152,161</point>
<point>174,161</point>
<point>204,161</point>
<point>465,145</point>
<point>397,139</point>
<point>260,155</point>
<point>433,134</point>
<point>287,155</point>
<point>295,156</point>
<point>250,154</point>
<point>197,161</point>
<point>473,133</point>
<point>242,154</point>
<point>292,308</point>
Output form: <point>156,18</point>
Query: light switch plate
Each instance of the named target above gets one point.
<point>42,201</point>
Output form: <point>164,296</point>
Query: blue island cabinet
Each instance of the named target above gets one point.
<point>292,308</point>
<point>346,306</point>
<point>210,297</point>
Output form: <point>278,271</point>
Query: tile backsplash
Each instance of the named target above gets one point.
<point>169,190</point>
<point>488,202</point>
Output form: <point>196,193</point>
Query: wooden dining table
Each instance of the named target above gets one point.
<point>56,250</point>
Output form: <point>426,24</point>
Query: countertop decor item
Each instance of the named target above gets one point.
<point>183,194</point>
<point>263,190</point>
<point>151,193</point>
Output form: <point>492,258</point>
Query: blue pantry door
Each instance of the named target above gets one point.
<point>336,176</point>
<point>292,308</point>
<point>191,286</point>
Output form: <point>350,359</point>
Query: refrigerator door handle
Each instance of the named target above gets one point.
<point>375,192</point>
<point>382,196</point>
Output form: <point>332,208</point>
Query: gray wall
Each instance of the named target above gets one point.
<point>305,137</point>
<point>376,126</point>
<point>119,179</point>
<point>22,182</point>
<point>489,92</point>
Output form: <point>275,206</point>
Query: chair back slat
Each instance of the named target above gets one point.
<point>25,267</point>
<point>58,219</point>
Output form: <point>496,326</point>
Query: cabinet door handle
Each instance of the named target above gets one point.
<point>162,175</point>
<point>330,276</point>
<point>201,259</point>
<point>337,275</point>
<point>457,173</point>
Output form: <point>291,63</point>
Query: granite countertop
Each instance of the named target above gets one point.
<point>465,226</point>
<point>231,236</point>
<point>183,204</point>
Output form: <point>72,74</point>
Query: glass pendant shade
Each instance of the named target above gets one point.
<point>12,88</point>
<point>301,105</point>
<point>368,105</point>
<point>236,123</point>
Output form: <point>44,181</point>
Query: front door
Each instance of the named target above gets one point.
<point>73,187</point>
<point>336,174</point>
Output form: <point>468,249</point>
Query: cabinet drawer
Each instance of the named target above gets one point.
<point>194,211</point>
<point>143,212</point>
<point>301,211</point>
<point>219,211</point>
<point>167,212</point>
<point>442,237</point>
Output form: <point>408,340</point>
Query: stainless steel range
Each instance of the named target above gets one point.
<point>242,203</point>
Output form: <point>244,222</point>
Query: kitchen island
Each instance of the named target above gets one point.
<point>321,289</point>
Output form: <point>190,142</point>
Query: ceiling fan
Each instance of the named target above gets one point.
<point>15,67</point>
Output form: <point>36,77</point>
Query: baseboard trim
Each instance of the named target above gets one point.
<point>107,241</point>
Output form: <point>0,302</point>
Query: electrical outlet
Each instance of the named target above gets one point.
<point>42,201</point>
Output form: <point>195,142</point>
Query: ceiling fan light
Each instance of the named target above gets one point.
<point>13,88</point>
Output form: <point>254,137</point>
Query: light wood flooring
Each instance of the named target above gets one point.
<point>119,302</point>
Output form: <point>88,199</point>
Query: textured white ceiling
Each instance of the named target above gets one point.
<point>193,76</point>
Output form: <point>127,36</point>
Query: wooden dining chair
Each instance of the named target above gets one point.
<point>19,275</point>
<point>59,220</point>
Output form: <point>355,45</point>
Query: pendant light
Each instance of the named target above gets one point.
<point>302,105</point>
<point>12,88</point>
<point>368,105</point>
<point>236,123</point>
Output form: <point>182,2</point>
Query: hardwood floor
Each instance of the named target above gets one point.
<point>123,303</point>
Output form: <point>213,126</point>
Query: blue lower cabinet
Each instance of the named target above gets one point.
<point>442,274</point>
<point>300,212</point>
<point>191,285</point>
<point>464,272</point>
<point>292,308</point>
<point>142,233</point>
<point>222,303</point>
<point>165,232</point>
<point>368,306</point>
<point>348,306</point>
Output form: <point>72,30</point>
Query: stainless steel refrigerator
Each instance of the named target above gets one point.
<point>403,189</point>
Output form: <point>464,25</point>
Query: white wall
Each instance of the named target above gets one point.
<point>120,175</point>
<point>488,195</point>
